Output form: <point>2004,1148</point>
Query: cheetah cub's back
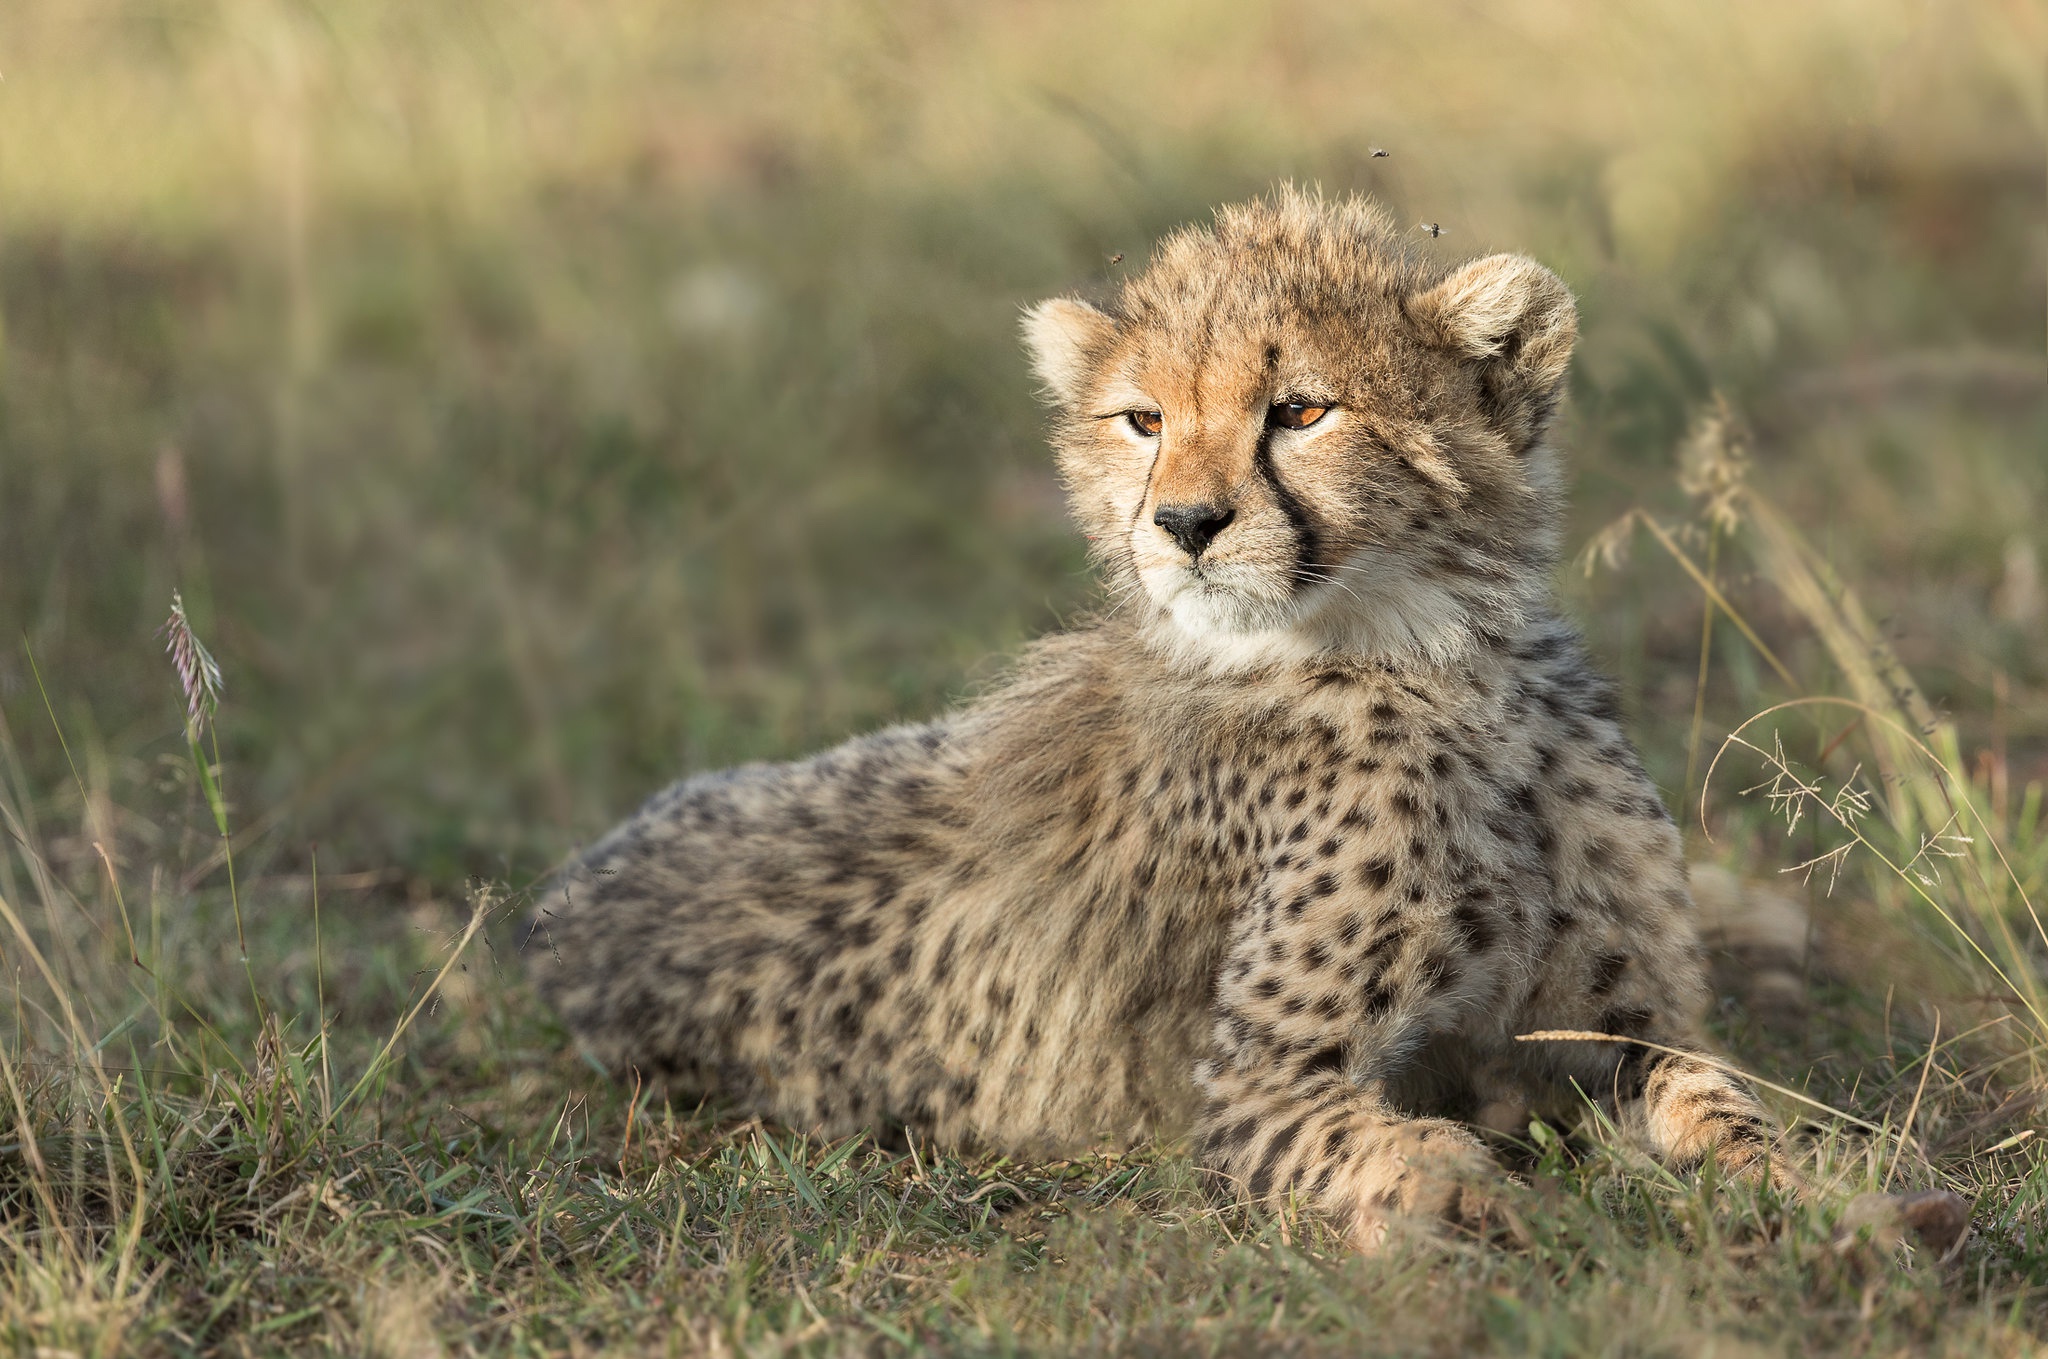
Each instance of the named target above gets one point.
<point>1281,852</point>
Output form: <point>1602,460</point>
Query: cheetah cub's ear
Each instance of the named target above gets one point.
<point>1066,339</point>
<point>1510,314</point>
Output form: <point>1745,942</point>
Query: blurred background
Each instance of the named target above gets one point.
<point>536,401</point>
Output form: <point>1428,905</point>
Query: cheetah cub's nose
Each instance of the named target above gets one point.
<point>1194,527</point>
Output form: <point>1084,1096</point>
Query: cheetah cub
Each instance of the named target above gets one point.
<point>1283,850</point>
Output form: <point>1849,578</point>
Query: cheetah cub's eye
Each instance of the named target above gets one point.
<point>1295,413</point>
<point>1147,423</point>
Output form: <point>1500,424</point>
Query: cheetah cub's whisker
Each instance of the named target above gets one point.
<point>1282,852</point>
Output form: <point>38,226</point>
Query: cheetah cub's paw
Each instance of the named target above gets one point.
<point>1428,1173</point>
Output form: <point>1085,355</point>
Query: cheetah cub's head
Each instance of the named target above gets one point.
<point>1289,436</point>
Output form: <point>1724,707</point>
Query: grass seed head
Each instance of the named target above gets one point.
<point>1713,465</point>
<point>198,672</point>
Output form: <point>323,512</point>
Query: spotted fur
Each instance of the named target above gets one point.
<point>1282,851</point>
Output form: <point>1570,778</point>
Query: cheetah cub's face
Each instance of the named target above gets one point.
<point>1288,435</point>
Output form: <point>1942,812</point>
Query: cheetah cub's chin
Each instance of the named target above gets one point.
<point>1282,851</point>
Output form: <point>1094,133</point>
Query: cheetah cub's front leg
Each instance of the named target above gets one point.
<point>1664,1090</point>
<point>1324,998</point>
<point>1345,1152</point>
<point>1683,1106</point>
<point>1623,959</point>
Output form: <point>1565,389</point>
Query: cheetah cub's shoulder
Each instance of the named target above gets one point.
<point>1283,852</point>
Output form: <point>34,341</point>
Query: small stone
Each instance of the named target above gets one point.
<point>1936,1219</point>
<point>1940,1219</point>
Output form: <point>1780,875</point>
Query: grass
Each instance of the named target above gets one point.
<point>530,403</point>
<point>217,1179</point>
